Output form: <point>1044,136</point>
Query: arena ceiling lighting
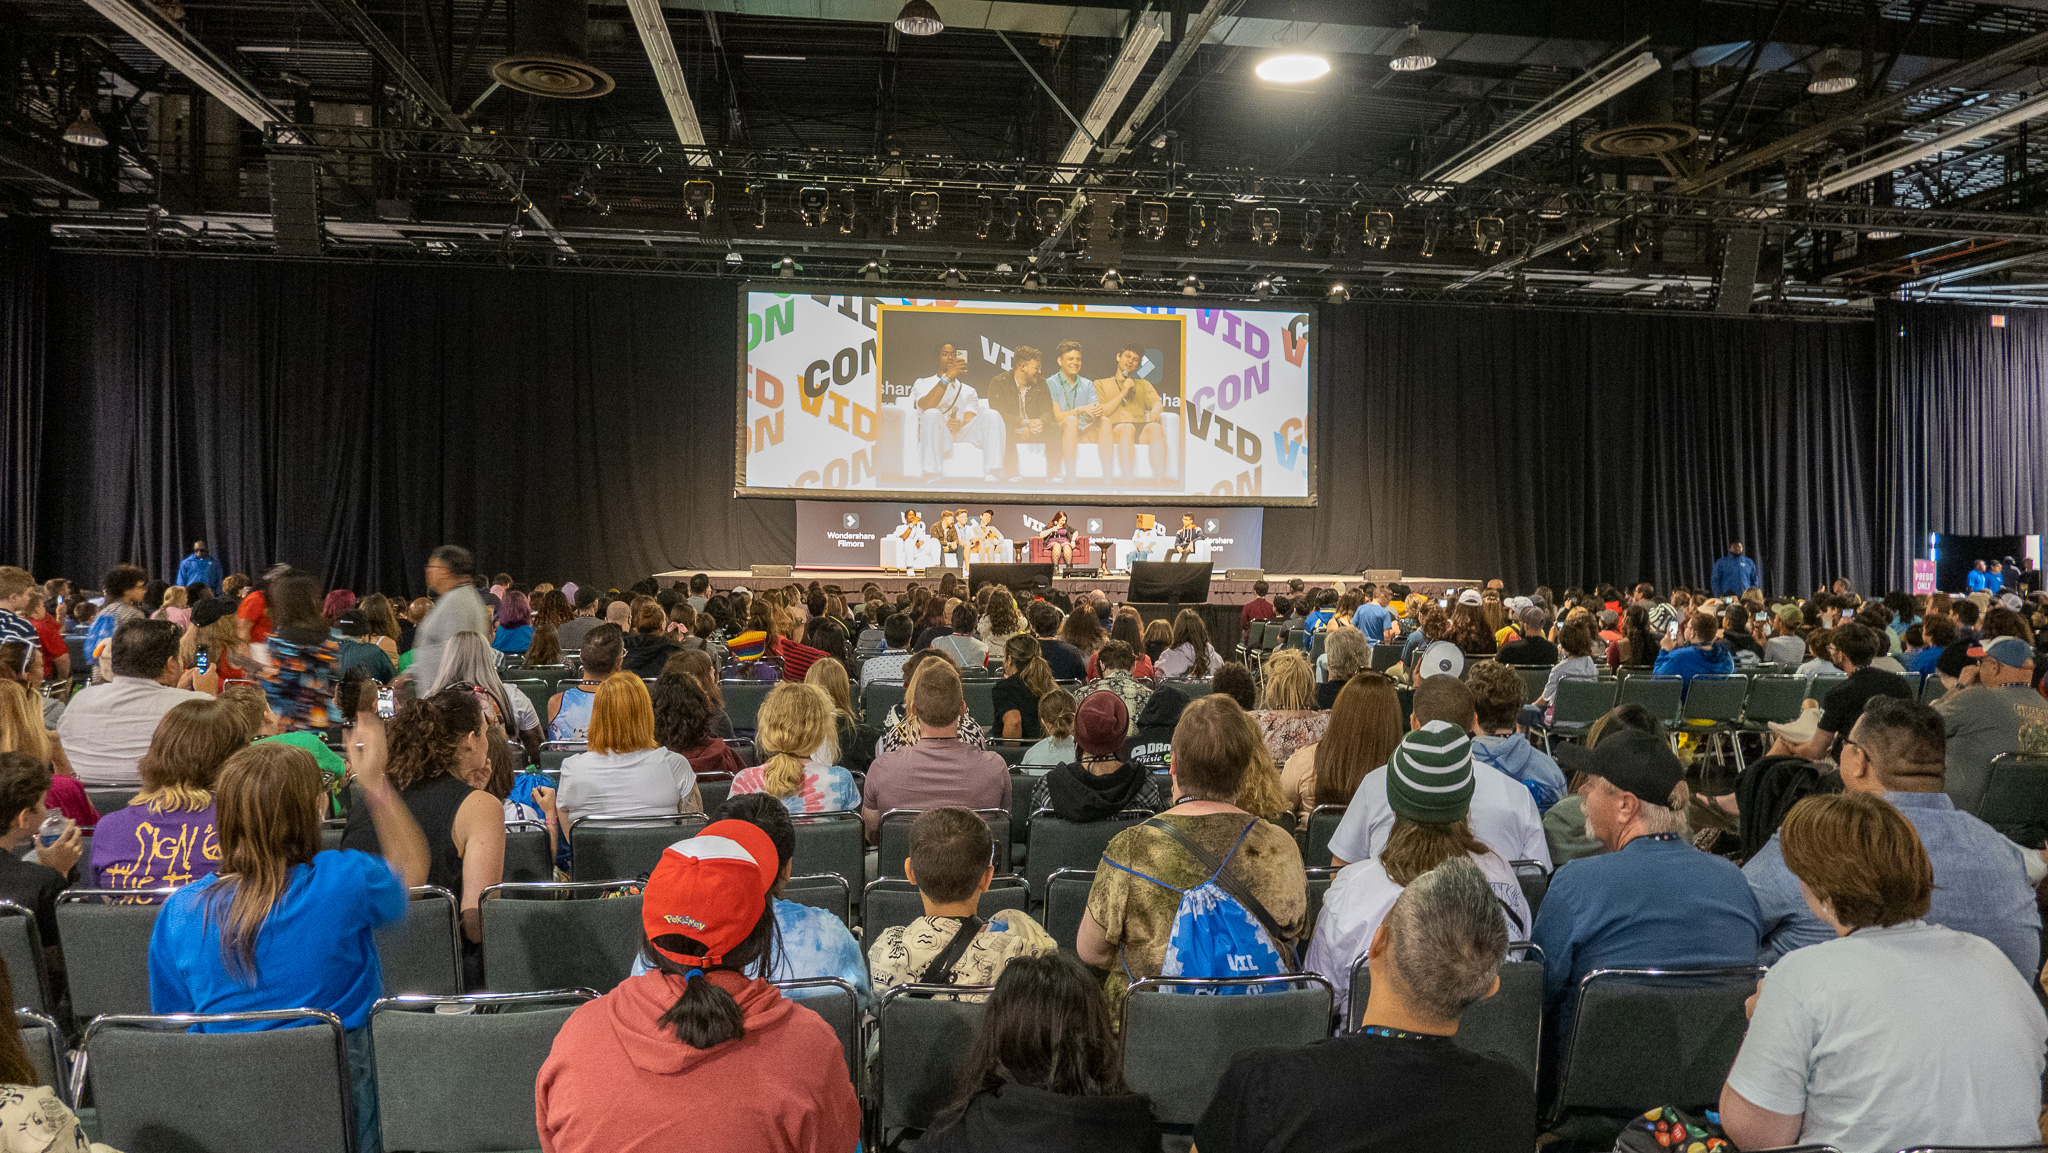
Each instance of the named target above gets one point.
<point>919,18</point>
<point>1294,68</point>
<point>1831,76</point>
<point>1412,56</point>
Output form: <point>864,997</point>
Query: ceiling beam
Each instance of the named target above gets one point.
<point>1615,75</point>
<point>183,51</point>
<point>1183,55</point>
<point>668,73</point>
<point>1144,37</point>
<point>1912,152</point>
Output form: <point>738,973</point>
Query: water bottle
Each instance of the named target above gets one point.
<point>53,828</point>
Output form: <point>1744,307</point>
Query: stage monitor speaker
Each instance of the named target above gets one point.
<point>1245,574</point>
<point>760,571</point>
<point>1738,271</point>
<point>1171,582</point>
<point>1022,579</point>
<point>1382,576</point>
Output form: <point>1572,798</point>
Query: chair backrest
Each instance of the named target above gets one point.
<point>1821,686</point>
<point>892,843</point>
<point>1774,699</point>
<point>422,951</point>
<point>2015,798</point>
<point>617,849</point>
<point>1176,1047</point>
<point>108,800</point>
<point>1508,1025</point>
<point>831,843</point>
<point>827,891</point>
<point>923,1038</point>
<point>44,1042</point>
<point>1318,879</point>
<point>1057,843</point>
<point>1022,785</point>
<point>157,1086</point>
<point>331,833</point>
<point>1931,688</point>
<point>1535,678</point>
<point>1583,700</point>
<point>893,902</point>
<point>541,936</point>
<point>537,691</point>
<point>980,696</point>
<point>743,702</point>
<point>1716,697</point>
<point>463,1082</point>
<point>1648,1037</point>
<point>526,852</point>
<point>106,949</point>
<point>1535,882</point>
<point>714,788</point>
<point>878,698</point>
<point>21,947</point>
<point>837,1002</point>
<point>1663,696</point>
<point>1066,901</point>
<point>1322,825</point>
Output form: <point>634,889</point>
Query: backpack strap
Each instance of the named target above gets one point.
<point>1222,878</point>
<point>940,971</point>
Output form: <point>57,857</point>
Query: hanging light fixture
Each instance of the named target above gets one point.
<point>1338,294</point>
<point>1191,285</point>
<point>1293,68</point>
<point>919,18</point>
<point>1112,280</point>
<point>1831,76</point>
<point>85,131</point>
<point>1413,55</point>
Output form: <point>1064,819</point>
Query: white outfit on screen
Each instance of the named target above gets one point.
<point>958,402</point>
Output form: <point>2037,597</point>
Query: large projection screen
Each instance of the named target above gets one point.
<point>909,398</point>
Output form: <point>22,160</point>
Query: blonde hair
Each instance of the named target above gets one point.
<point>1290,684</point>
<point>795,722</point>
<point>1260,793</point>
<point>21,722</point>
<point>191,744</point>
<point>621,716</point>
<point>828,674</point>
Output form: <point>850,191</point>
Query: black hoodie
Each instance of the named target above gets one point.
<point>1075,794</point>
<point>1151,747</point>
<point>1033,1120</point>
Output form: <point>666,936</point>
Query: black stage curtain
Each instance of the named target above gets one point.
<point>348,418</point>
<point>1558,447</point>
<point>24,277</point>
<point>1963,426</point>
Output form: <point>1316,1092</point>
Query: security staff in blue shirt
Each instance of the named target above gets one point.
<point>1735,573</point>
<point>200,568</point>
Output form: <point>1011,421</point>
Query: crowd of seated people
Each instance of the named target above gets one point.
<point>1657,859</point>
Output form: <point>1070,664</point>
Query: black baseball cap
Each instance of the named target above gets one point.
<point>208,611</point>
<point>1637,762</point>
<point>1954,659</point>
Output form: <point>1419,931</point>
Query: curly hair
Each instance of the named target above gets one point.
<point>427,732</point>
<point>682,712</point>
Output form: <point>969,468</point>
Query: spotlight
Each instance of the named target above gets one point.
<point>85,131</point>
<point>735,259</point>
<point>1340,237</point>
<point>1266,225</point>
<point>924,211</point>
<point>757,204</point>
<point>1552,208</point>
<point>919,18</point>
<point>1048,211</point>
<point>786,268</point>
<point>1338,294</point>
<point>1262,289</point>
<point>1487,234</point>
<point>1882,234</point>
<point>871,271</point>
<point>1412,56</point>
<point>846,206</point>
<point>1219,227</point>
<point>986,215</point>
<point>1311,229</point>
<point>698,197</point>
<point>952,277</point>
<point>892,201</point>
<point>1293,68</point>
<point>1112,280</point>
<point>812,203</point>
<point>1831,76</point>
<point>1198,219</point>
<point>1031,280</point>
<point>1152,220</point>
<point>1189,285</point>
<point>1012,212</point>
<point>1379,229</point>
<point>580,193</point>
<point>1432,231</point>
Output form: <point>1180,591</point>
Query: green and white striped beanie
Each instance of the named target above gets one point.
<point>1429,777</point>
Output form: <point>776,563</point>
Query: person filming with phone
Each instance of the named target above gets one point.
<point>1692,647</point>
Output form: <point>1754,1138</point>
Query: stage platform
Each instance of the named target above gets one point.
<point>1221,591</point>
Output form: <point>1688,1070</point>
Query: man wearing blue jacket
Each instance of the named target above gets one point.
<point>1735,573</point>
<point>200,568</point>
<point>1698,652</point>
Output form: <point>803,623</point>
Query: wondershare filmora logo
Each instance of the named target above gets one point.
<point>851,520</point>
<point>1094,526</point>
<point>1210,525</point>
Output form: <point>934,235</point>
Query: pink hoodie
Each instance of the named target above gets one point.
<point>616,1082</point>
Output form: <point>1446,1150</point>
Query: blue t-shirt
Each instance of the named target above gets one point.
<point>317,948</point>
<point>1373,620</point>
<point>1994,582</point>
<point>1976,580</point>
<point>510,640</point>
<point>814,944</point>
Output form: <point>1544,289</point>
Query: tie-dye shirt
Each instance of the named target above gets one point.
<point>814,944</point>
<point>826,789</point>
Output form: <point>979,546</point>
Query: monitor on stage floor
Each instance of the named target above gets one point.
<point>1161,582</point>
<point>1022,579</point>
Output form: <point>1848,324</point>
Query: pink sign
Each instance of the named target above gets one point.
<point>1923,577</point>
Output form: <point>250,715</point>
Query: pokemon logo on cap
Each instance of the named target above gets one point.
<point>712,888</point>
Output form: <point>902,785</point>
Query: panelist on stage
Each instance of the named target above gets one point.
<point>948,537</point>
<point>1147,541</point>
<point>949,412</point>
<point>1059,541</point>
<point>1186,539</point>
<point>985,541</point>
<point>1024,403</point>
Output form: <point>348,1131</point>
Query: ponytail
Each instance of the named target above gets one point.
<point>705,1015</point>
<point>1024,651</point>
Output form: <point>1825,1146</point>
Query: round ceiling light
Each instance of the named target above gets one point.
<point>1413,55</point>
<point>1293,68</point>
<point>1831,77</point>
<point>919,18</point>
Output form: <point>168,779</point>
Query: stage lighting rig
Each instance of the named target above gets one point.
<point>1487,234</point>
<point>1312,229</point>
<point>1338,294</point>
<point>1379,229</point>
<point>1112,280</point>
<point>1048,211</point>
<point>952,277</point>
<point>924,211</point>
<point>1432,231</point>
<point>812,204</point>
<point>846,207</point>
<point>1190,285</point>
<point>985,215</point>
<point>1266,225</point>
<point>1219,223</point>
<point>1198,220</point>
<point>1340,236</point>
<point>871,271</point>
<point>1009,216</point>
<point>1263,288</point>
<point>787,268</point>
<point>892,204</point>
<point>698,197</point>
<point>757,204</point>
<point>1152,220</point>
<point>1031,281</point>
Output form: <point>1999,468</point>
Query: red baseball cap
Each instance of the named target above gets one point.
<point>711,889</point>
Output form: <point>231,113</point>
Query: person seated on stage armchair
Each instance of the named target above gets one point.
<point>985,540</point>
<point>949,412</point>
<point>1075,406</point>
<point>1147,542</point>
<point>1185,540</point>
<point>948,537</point>
<point>1133,408</point>
<point>1059,540</point>
<point>1021,398</point>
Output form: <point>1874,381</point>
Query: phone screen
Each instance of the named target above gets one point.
<point>199,662</point>
<point>1671,630</point>
<point>387,703</point>
<point>1443,602</point>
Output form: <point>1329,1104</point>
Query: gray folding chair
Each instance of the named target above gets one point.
<point>827,891</point>
<point>878,698</point>
<point>1508,1025</point>
<point>1322,825</point>
<point>1713,709</point>
<point>21,947</point>
<point>574,935</point>
<point>839,1004</point>
<point>537,692</point>
<point>1824,685</point>
<point>743,702</point>
<point>1318,878</point>
<point>1931,689</point>
<point>1772,699</point>
<point>1066,902</point>
<point>1663,696</point>
<point>2015,800</point>
<point>1176,1046</point>
<point>714,788</point>
<point>106,948</point>
<point>1022,785</point>
<point>1535,882</point>
<point>893,839</point>
<point>924,1031</point>
<point>158,1087</point>
<point>1580,701</point>
<point>831,843</point>
<point>44,1042</point>
<point>621,848</point>
<point>526,852</point>
<point>421,953</point>
<point>1058,844</point>
<point>981,701</point>
<point>108,800</point>
<point>331,831</point>
<point>1647,1037</point>
<point>893,901</point>
<point>463,1082</point>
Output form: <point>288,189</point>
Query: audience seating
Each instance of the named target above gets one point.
<point>158,1087</point>
<point>1022,785</point>
<point>893,840</point>
<point>1066,902</point>
<point>1713,709</point>
<point>2015,800</point>
<point>743,702</point>
<point>526,852</point>
<point>714,788</point>
<point>1648,1037</point>
<point>1322,825</point>
<point>553,753</point>
<point>620,848</point>
<point>1319,878</point>
<point>570,935</point>
<point>109,800</point>
<point>892,902</point>
<point>1931,689</point>
<point>926,1031</point>
<point>422,954</point>
<point>1535,678</point>
<point>880,697</point>
<point>1580,701</point>
<point>1061,844</point>
<point>21,947</point>
<point>538,693</point>
<point>1772,699</point>
<point>827,891</point>
<point>1663,696</point>
<point>1535,882</point>
<point>832,842</point>
<point>839,1004</point>
<point>43,1040</point>
<point>106,949</point>
<point>981,701</point>
<point>1508,1024</point>
<point>331,831</point>
<point>1176,1047</point>
<point>464,1081</point>
<point>1011,749</point>
<point>1822,686</point>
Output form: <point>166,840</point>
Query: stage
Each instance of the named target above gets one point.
<point>1114,586</point>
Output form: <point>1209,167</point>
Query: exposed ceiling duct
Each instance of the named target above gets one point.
<point>1146,33</point>
<point>550,52</point>
<point>668,72</point>
<point>1641,121</point>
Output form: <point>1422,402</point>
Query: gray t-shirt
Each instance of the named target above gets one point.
<point>573,630</point>
<point>1982,723</point>
<point>647,783</point>
<point>458,610</point>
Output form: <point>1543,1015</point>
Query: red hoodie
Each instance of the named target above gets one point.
<point>617,1082</point>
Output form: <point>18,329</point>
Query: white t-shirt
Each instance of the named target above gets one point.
<point>647,783</point>
<point>1503,815</point>
<point>1888,1038</point>
<point>108,727</point>
<point>1360,898</point>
